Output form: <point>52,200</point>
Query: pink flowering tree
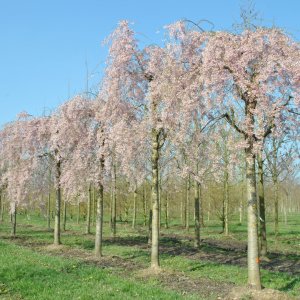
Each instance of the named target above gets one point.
<point>254,80</point>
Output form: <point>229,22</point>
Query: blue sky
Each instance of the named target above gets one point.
<point>45,44</point>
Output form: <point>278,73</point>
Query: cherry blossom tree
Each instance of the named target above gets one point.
<point>254,79</point>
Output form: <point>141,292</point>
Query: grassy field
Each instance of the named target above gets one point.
<point>30,268</point>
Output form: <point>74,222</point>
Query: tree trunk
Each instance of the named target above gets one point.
<point>262,217</point>
<point>197,214</point>
<point>49,211</point>
<point>167,211</point>
<point>99,218</point>
<point>78,211</point>
<point>276,207</point>
<point>0,205</point>
<point>2,210</point>
<point>57,206</point>
<point>155,201</point>
<point>134,207</point>
<point>14,221</point>
<point>145,205</point>
<point>150,227</point>
<point>94,205</point>
<point>89,211</point>
<point>187,204</point>
<point>226,202</point>
<point>65,216</point>
<point>253,258</point>
<point>114,203</point>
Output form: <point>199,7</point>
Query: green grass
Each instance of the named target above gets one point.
<point>30,275</point>
<point>37,276</point>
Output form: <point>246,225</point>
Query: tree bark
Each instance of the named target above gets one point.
<point>145,205</point>
<point>253,258</point>
<point>89,211</point>
<point>134,208</point>
<point>261,198</point>
<point>78,211</point>
<point>1,207</point>
<point>150,227</point>
<point>65,216</point>
<point>49,211</point>
<point>99,217</point>
<point>14,221</point>
<point>276,207</point>
<point>197,214</point>
<point>114,203</point>
<point>187,204</point>
<point>155,201</point>
<point>167,211</point>
<point>226,202</point>
<point>57,240</point>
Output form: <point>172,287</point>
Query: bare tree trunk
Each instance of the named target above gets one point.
<point>14,221</point>
<point>155,201</point>
<point>262,217</point>
<point>65,216</point>
<point>89,210</point>
<point>276,206</point>
<point>226,202</point>
<point>197,214</point>
<point>99,218</point>
<point>145,205</point>
<point>94,205</point>
<point>253,258</point>
<point>78,211</point>
<point>49,211</point>
<point>2,211</point>
<point>150,227</point>
<point>1,207</point>
<point>57,206</point>
<point>114,203</point>
<point>187,204</point>
<point>134,207</point>
<point>167,211</point>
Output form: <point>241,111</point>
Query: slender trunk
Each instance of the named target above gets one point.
<point>114,203</point>
<point>208,211</point>
<point>99,218</point>
<point>89,211</point>
<point>65,215</point>
<point>253,258</point>
<point>78,211</point>
<point>197,214</point>
<point>150,227</point>
<point>276,206</point>
<point>0,205</point>
<point>226,202</point>
<point>49,211</point>
<point>57,206</point>
<point>187,205</point>
<point>134,208</point>
<point>167,211</point>
<point>159,198</point>
<point>155,201</point>
<point>2,210</point>
<point>201,208</point>
<point>262,217</point>
<point>145,205</point>
<point>94,205</point>
<point>14,221</point>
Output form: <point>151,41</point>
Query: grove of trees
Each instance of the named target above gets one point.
<point>207,121</point>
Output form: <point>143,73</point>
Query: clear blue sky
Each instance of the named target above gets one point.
<point>44,44</point>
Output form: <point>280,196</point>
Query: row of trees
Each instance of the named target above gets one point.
<point>204,107</point>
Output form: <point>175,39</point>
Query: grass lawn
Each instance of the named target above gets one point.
<point>29,269</point>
